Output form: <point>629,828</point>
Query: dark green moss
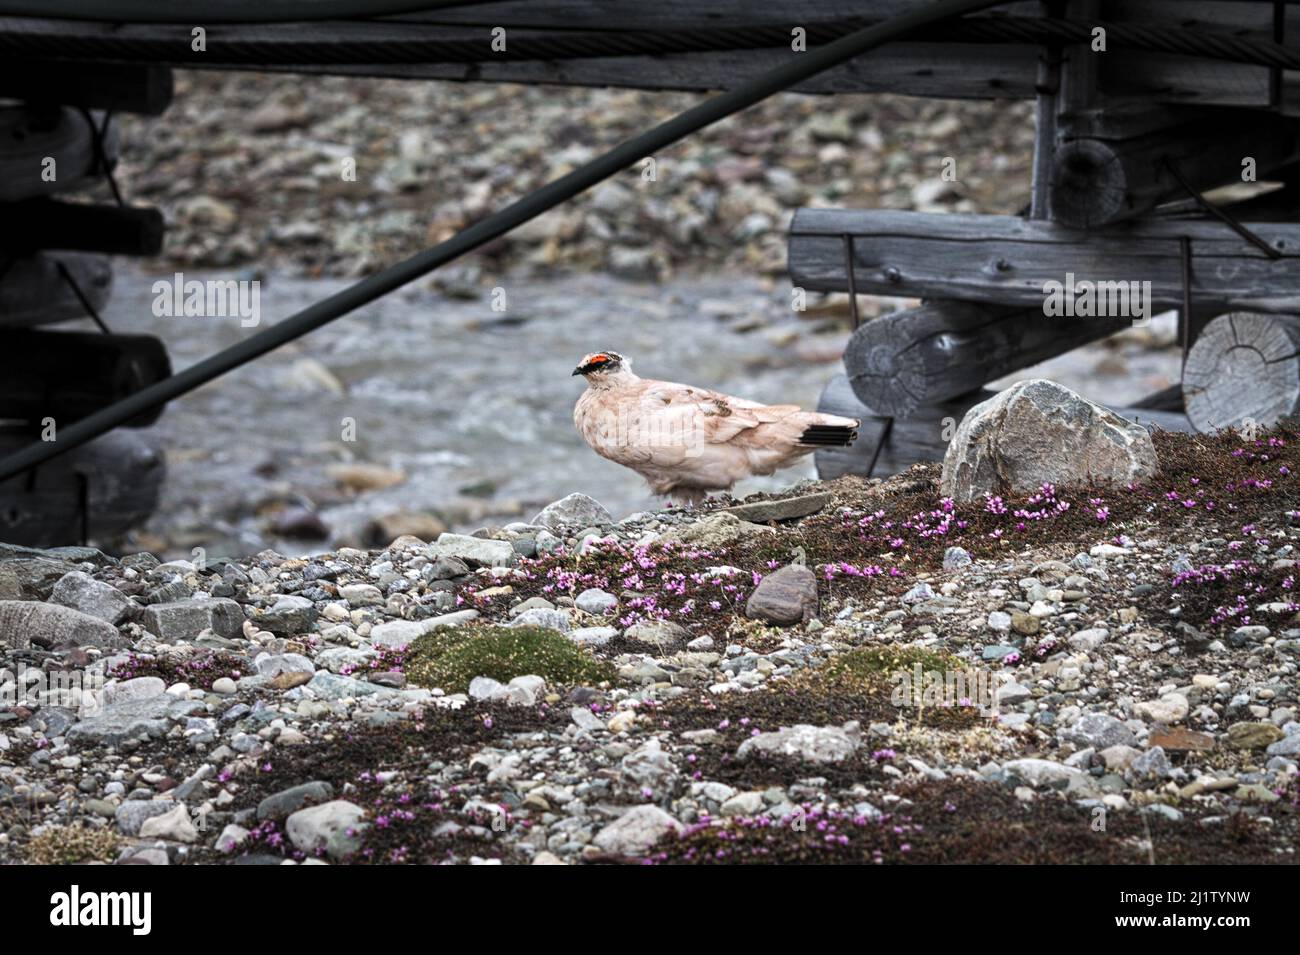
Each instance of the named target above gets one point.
<point>449,658</point>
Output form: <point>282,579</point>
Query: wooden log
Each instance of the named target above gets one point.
<point>49,224</point>
<point>119,477</point>
<point>121,87</point>
<point>931,354</point>
<point>30,138</point>
<point>1098,182</point>
<point>1243,369</point>
<point>923,435</point>
<point>954,70</point>
<point>34,292</point>
<point>1004,260</point>
<point>67,375</point>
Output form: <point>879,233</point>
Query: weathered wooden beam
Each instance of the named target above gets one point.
<point>49,224</point>
<point>34,291</point>
<point>923,435</point>
<point>1004,260</point>
<point>67,375</point>
<point>118,478</point>
<point>1098,182</point>
<point>934,353</point>
<point>1243,368</point>
<point>121,87</point>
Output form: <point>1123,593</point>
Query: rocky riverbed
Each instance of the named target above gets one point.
<point>343,175</point>
<point>711,686</point>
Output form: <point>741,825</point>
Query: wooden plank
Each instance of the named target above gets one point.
<point>49,224</point>
<point>34,292</point>
<point>1244,368</point>
<point>1008,261</point>
<point>121,87</point>
<point>943,349</point>
<point>65,376</point>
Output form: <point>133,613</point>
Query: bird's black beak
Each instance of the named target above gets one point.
<point>581,369</point>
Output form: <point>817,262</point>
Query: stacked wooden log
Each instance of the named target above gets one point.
<point>57,137</point>
<point>1119,231</point>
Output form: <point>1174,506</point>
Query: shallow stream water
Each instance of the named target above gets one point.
<point>472,405</point>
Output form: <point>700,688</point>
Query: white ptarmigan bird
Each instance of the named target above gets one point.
<point>687,441</point>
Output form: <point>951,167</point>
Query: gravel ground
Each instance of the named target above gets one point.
<point>700,686</point>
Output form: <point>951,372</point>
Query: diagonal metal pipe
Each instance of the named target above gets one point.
<point>801,67</point>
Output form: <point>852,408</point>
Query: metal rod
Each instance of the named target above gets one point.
<point>1222,216</point>
<point>887,427</point>
<point>801,67</point>
<point>853,280</point>
<point>1185,313</point>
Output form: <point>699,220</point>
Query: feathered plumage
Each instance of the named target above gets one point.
<point>687,441</point>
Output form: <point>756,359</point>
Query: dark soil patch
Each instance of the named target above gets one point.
<point>980,823</point>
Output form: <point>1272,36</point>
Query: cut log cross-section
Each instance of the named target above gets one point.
<point>1096,182</point>
<point>931,354</point>
<point>1244,371</point>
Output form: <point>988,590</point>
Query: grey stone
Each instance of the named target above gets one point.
<point>186,619</point>
<point>1098,731</point>
<point>289,615</point>
<point>784,597</point>
<point>573,510</point>
<point>955,558</point>
<point>1042,772</point>
<point>784,509</point>
<point>334,827</point>
<point>173,825</point>
<point>812,744</point>
<point>399,633</point>
<point>472,550</point>
<point>919,593</point>
<point>288,801</point>
<point>540,617</point>
<point>660,634</point>
<point>272,666</point>
<point>130,691</point>
<point>24,622</point>
<point>131,815</point>
<point>133,720</point>
<point>1152,764</point>
<point>635,831</point>
<point>1037,431</point>
<point>330,686</point>
<point>92,597</point>
<point>596,601</point>
<point>593,636</point>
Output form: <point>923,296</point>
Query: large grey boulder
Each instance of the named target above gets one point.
<point>1038,431</point>
<point>186,619</point>
<point>472,550</point>
<point>93,597</point>
<point>24,622</point>
<point>575,510</point>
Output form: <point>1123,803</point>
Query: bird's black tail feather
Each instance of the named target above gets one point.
<point>828,436</point>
